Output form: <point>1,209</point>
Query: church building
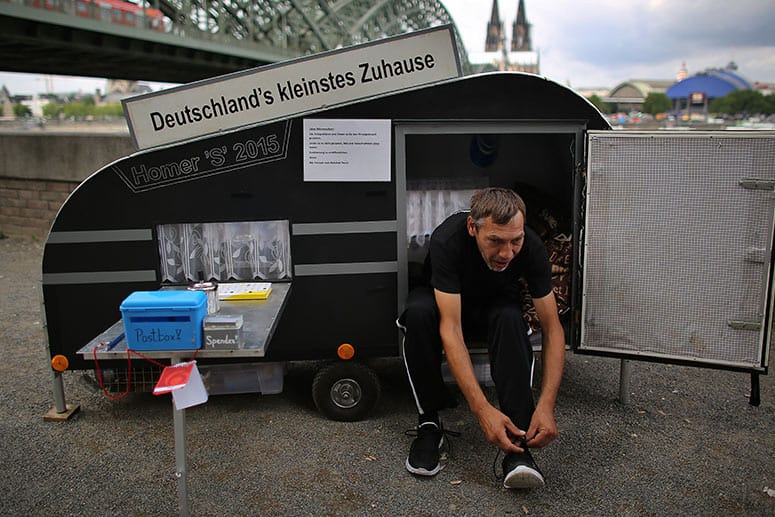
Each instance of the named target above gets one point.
<point>518,56</point>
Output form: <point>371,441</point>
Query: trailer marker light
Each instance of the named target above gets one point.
<point>60,363</point>
<point>345,351</point>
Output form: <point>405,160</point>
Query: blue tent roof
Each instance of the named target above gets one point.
<point>713,83</point>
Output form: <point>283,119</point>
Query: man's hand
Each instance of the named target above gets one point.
<point>499,429</point>
<point>543,427</point>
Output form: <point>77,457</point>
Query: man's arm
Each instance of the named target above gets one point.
<point>497,427</point>
<point>543,426</point>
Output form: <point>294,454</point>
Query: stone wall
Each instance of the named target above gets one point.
<point>39,170</point>
<point>28,207</point>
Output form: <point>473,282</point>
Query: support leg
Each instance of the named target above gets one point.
<point>181,469</point>
<point>61,410</point>
<point>624,381</point>
<point>755,398</point>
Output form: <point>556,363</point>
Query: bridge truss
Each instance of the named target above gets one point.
<point>187,40</point>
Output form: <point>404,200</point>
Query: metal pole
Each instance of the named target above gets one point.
<point>61,411</point>
<point>625,369</point>
<point>59,393</point>
<point>755,398</point>
<point>181,470</point>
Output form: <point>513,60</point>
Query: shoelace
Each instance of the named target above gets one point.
<point>499,477</point>
<point>446,434</point>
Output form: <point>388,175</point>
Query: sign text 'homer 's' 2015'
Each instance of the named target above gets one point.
<point>294,87</point>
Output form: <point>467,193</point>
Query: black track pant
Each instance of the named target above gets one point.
<point>511,355</point>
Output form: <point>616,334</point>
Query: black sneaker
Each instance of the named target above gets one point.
<point>520,471</point>
<point>423,457</point>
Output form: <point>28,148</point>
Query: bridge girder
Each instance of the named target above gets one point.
<point>200,38</point>
<point>305,26</point>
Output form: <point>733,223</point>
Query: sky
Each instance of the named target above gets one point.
<point>601,43</point>
<point>589,43</point>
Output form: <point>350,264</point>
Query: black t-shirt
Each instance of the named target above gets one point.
<point>455,265</point>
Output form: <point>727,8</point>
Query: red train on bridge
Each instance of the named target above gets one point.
<point>114,11</point>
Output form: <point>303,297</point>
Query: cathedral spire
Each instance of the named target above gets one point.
<point>520,33</point>
<point>495,36</point>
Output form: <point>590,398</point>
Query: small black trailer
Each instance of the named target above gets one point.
<point>664,239</point>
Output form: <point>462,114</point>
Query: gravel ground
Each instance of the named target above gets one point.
<point>687,443</point>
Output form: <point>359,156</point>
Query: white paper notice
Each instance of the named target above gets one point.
<point>346,150</point>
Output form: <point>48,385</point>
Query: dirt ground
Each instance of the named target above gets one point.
<point>688,443</point>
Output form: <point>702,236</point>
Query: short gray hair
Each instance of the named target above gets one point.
<point>501,204</point>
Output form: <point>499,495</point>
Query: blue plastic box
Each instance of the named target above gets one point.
<point>164,320</point>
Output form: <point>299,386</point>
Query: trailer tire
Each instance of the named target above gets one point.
<point>346,391</point>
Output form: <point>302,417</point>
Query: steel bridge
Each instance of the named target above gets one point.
<point>186,40</point>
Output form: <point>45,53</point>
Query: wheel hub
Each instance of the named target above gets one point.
<point>346,393</point>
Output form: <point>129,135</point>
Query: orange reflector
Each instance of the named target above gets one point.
<point>345,351</point>
<point>59,363</point>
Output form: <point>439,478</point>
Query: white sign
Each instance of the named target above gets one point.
<point>346,150</point>
<point>293,87</point>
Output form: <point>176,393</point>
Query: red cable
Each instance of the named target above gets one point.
<point>129,370</point>
<point>99,375</point>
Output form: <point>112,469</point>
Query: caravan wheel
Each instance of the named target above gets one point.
<point>345,391</point>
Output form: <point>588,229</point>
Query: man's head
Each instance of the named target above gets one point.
<point>497,222</point>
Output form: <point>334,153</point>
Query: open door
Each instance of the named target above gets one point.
<point>677,257</point>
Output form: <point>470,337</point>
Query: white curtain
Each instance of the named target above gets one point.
<point>426,209</point>
<point>241,251</point>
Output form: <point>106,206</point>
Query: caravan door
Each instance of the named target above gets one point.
<point>677,257</point>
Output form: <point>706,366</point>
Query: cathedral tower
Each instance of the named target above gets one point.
<point>498,55</point>
<point>495,36</point>
<point>520,31</point>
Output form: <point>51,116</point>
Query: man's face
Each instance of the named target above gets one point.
<point>498,243</point>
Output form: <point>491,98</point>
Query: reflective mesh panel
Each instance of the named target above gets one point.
<point>677,252</point>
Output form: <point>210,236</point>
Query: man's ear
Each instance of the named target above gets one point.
<point>471,226</point>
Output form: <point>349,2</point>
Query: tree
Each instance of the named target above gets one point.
<point>741,102</point>
<point>769,104</point>
<point>656,103</point>
<point>112,109</point>
<point>595,99</point>
<point>76,109</point>
<point>20,110</point>
<point>52,110</point>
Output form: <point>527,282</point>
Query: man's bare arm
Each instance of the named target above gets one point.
<point>497,427</point>
<point>543,426</point>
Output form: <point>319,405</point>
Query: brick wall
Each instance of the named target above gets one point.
<point>39,170</point>
<point>28,207</point>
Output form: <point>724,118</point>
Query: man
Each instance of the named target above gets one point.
<point>474,266</point>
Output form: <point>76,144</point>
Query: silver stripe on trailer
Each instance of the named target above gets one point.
<point>99,277</point>
<point>347,268</point>
<point>82,237</point>
<point>342,228</point>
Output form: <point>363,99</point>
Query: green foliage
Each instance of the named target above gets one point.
<point>76,109</point>
<point>52,110</point>
<point>744,102</point>
<point>769,104</point>
<point>82,109</point>
<point>20,110</point>
<point>656,103</point>
<point>604,107</point>
<point>109,110</point>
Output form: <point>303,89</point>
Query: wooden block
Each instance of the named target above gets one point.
<point>52,415</point>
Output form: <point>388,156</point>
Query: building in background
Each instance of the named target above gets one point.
<point>6,103</point>
<point>518,56</point>
<point>692,95</point>
<point>121,88</point>
<point>630,95</point>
